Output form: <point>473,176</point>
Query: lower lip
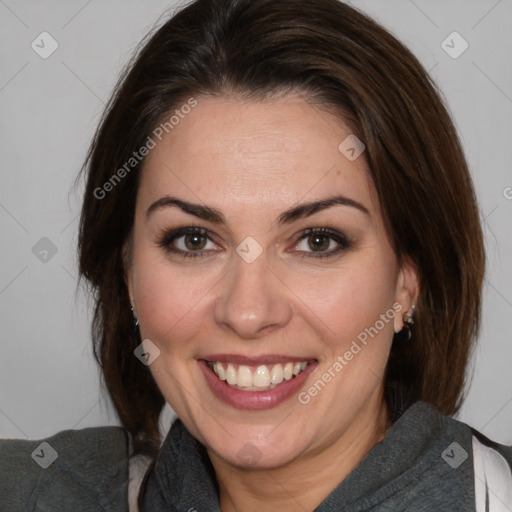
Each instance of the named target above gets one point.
<point>255,400</point>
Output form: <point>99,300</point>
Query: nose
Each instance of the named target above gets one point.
<point>252,300</point>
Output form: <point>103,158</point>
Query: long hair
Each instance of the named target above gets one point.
<point>342,59</point>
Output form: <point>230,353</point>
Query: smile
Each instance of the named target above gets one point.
<point>255,384</point>
<point>256,378</point>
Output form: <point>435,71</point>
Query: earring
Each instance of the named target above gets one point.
<point>406,333</point>
<point>135,321</point>
<point>409,318</point>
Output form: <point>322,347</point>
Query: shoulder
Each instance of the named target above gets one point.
<point>452,464</point>
<point>83,469</point>
<point>491,464</point>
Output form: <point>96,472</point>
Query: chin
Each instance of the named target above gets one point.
<point>251,456</point>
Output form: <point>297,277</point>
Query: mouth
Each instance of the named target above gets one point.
<point>255,384</point>
<point>256,378</point>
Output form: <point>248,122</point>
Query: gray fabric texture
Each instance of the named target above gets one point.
<point>87,471</point>
<point>415,468</point>
<point>412,469</point>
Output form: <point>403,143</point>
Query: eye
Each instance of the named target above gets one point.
<point>191,242</point>
<point>321,242</point>
<point>188,242</point>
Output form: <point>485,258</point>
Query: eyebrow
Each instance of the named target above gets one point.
<point>211,214</point>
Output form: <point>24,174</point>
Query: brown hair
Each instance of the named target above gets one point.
<point>347,62</point>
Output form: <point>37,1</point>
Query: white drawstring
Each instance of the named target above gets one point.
<point>493,479</point>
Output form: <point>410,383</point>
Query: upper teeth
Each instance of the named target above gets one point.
<point>260,377</point>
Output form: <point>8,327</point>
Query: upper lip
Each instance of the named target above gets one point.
<point>255,360</point>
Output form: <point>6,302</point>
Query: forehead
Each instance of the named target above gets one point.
<point>228,151</point>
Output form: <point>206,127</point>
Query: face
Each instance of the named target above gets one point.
<point>263,274</point>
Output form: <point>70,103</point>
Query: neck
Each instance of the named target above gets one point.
<point>306,481</point>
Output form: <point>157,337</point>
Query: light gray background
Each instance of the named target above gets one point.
<point>49,109</point>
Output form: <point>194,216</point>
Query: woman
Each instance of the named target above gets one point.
<point>282,236</point>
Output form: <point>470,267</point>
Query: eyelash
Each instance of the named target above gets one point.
<point>170,237</point>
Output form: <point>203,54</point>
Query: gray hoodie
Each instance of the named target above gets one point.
<point>424,463</point>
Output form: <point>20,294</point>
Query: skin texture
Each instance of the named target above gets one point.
<point>252,160</point>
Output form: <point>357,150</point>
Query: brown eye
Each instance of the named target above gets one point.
<point>189,242</point>
<point>194,241</point>
<point>318,242</point>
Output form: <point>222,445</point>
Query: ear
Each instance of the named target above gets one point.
<point>407,291</point>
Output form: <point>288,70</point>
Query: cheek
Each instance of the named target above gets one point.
<point>353,302</point>
<point>171,304</point>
